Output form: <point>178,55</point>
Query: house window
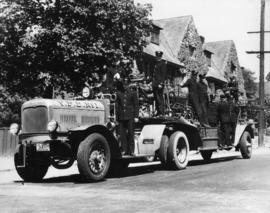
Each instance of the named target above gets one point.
<point>191,50</point>
<point>155,35</point>
<point>208,56</point>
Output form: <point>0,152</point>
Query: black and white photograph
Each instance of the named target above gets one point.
<point>144,106</point>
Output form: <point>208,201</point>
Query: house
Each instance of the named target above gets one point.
<point>223,64</point>
<point>181,45</point>
<point>185,50</point>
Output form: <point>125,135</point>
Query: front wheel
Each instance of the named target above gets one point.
<point>30,173</point>
<point>94,157</point>
<point>178,150</point>
<point>245,145</point>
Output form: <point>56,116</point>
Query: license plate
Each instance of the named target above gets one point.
<point>42,147</point>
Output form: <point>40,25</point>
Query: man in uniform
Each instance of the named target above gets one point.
<point>159,75</point>
<point>127,111</point>
<point>227,116</point>
<point>193,98</point>
<point>203,98</point>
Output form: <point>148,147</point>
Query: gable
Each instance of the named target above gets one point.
<point>174,30</point>
<point>221,51</point>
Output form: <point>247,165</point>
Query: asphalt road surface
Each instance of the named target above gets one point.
<point>226,184</point>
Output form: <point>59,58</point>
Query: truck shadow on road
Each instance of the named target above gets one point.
<point>212,161</point>
<point>134,170</point>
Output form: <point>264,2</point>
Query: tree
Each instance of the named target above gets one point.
<point>267,77</point>
<point>10,107</point>
<point>249,82</point>
<point>59,43</point>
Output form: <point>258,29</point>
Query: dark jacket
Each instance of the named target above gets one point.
<point>192,86</point>
<point>202,92</point>
<point>159,73</point>
<point>127,106</point>
<point>227,112</point>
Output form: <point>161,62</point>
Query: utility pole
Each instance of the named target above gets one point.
<point>261,83</point>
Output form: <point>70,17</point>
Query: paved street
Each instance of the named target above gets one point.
<point>227,184</point>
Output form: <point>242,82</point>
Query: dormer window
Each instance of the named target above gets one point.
<point>155,34</point>
<point>208,56</point>
<point>191,50</point>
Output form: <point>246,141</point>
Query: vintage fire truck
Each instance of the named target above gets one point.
<point>58,132</point>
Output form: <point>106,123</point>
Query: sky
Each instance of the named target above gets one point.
<point>223,20</point>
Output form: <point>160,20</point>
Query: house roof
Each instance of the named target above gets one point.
<point>174,30</point>
<point>221,51</point>
<point>171,36</point>
<point>163,46</point>
<point>214,73</point>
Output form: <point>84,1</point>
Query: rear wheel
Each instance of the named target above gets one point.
<point>94,157</point>
<point>245,145</point>
<point>178,150</point>
<point>207,154</point>
<point>30,173</point>
<point>163,150</point>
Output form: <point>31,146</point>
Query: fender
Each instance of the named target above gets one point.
<point>80,133</point>
<point>239,130</point>
<point>149,139</point>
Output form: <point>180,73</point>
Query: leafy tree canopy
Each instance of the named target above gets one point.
<point>59,43</point>
<point>267,77</point>
<point>10,106</point>
<point>249,81</point>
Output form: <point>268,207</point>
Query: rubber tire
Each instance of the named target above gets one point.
<point>84,150</point>
<point>30,173</point>
<point>163,150</point>
<point>173,159</point>
<point>244,147</point>
<point>207,154</point>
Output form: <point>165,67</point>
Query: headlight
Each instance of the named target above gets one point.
<point>52,126</point>
<point>14,129</point>
<point>110,125</point>
<point>86,92</point>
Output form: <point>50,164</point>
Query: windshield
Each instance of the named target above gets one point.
<point>34,119</point>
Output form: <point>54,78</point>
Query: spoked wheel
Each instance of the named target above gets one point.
<point>178,150</point>
<point>94,157</point>
<point>245,145</point>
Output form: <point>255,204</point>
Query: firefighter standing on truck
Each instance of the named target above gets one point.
<point>227,116</point>
<point>127,111</point>
<point>158,79</point>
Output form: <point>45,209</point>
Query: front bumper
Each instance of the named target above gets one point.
<point>41,148</point>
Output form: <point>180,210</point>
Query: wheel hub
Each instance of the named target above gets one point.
<point>181,152</point>
<point>97,161</point>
